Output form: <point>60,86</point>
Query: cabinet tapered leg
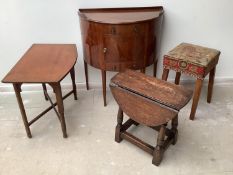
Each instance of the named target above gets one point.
<point>22,110</point>
<point>211,84</point>
<point>86,75</point>
<point>196,97</point>
<point>165,74</point>
<point>104,86</point>
<point>119,126</point>
<point>58,92</point>
<point>155,68</point>
<point>177,80</point>
<point>45,90</point>
<point>72,74</point>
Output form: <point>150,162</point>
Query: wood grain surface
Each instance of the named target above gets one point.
<point>163,92</point>
<point>43,63</point>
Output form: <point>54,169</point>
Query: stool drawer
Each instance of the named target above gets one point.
<point>184,66</point>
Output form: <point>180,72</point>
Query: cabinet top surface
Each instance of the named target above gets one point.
<point>43,63</point>
<point>121,15</point>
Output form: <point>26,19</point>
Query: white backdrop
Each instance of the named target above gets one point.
<point>204,22</point>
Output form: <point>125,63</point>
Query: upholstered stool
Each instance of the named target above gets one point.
<point>151,102</point>
<point>196,61</point>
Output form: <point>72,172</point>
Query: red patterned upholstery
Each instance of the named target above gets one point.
<point>191,59</point>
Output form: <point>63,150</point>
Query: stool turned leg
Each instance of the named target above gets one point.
<point>159,150</point>
<point>211,84</point>
<point>174,129</point>
<point>17,89</point>
<point>155,67</point>
<point>196,97</point>
<point>45,90</point>
<point>177,80</point>
<point>165,74</point>
<point>58,92</point>
<point>72,74</point>
<point>104,86</point>
<point>119,126</point>
<point>86,75</point>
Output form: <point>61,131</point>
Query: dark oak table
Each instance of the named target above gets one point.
<point>45,64</point>
<point>150,102</point>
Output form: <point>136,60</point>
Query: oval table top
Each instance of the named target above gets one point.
<point>164,93</point>
<point>43,63</point>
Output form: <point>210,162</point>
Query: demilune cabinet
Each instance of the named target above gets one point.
<point>115,39</point>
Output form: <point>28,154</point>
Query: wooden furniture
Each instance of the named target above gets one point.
<point>118,38</point>
<point>45,64</point>
<point>196,61</point>
<point>151,102</point>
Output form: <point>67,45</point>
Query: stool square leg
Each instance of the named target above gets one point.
<point>165,74</point>
<point>211,84</point>
<point>177,79</point>
<point>196,97</point>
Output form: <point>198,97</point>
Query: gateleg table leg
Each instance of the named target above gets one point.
<point>17,88</point>
<point>58,93</point>
<point>72,74</point>
<point>45,90</point>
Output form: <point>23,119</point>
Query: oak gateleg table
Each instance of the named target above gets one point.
<point>45,64</point>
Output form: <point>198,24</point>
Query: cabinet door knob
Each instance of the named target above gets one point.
<point>105,50</point>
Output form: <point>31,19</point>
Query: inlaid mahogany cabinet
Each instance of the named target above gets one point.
<point>115,39</point>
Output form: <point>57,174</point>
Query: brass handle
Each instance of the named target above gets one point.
<point>105,50</point>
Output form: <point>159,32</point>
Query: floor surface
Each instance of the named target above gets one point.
<point>204,147</point>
